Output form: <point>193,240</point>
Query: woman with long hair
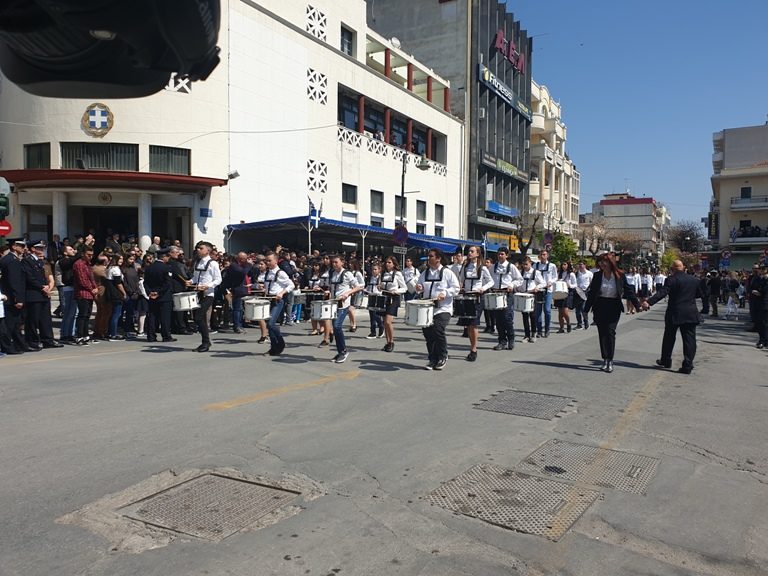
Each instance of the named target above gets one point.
<point>354,266</point>
<point>117,295</point>
<point>314,285</point>
<point>608,288</point>
<point>391,282</point>
<point>564,305</point>
<point>474,279</point>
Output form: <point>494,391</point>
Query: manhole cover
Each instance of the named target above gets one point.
<point>209,506</point>
<point>531,404</point>
<point>516,501</point>
<point>591,465</point>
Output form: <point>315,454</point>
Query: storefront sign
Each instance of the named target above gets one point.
<point>506,167</point>
<point>501,209</point>
<point>508,240</point>
<point>206,212</point>
<point>503,91</point>
<point>508,49</point>
<point>502,166</point>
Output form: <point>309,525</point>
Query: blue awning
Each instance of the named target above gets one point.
<point>448,245</point>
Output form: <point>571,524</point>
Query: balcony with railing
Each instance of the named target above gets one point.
<point>753,203</point>
<point>718,139</point>
<point>542,152</point>
<point>538,123</point>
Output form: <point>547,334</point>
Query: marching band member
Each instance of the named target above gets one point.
<point>474,278</point>
<point>609,286</point>
<point>583,280</point>
<point>564,305</point>
<point>506,277</point>
<point>277,285</point>
<point>437,283</point>
<point>544,299</point>
<point>314,284</point>
<point>259,273</point>
<point>342,285</point>
<point>325,282</point>
<point>354,267</point>
<point>532,283</point>
<point>489,315</point>
<point>410,274</point>
<point>205,277</point>
<point>392,282</point>
<point>372,287</point>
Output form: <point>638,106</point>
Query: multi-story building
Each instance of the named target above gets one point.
<point>554,186</point>
<point>486,55</point>
<point>307,104</point>
<point>633,220</point>
<point>738,216</point>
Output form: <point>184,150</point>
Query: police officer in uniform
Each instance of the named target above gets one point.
<point>13,285</point>
<point>38,327</point>
<point>157,284</point>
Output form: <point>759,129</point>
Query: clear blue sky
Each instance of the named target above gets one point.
<point>643,85</point>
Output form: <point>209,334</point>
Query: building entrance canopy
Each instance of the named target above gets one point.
<point>294,232</point>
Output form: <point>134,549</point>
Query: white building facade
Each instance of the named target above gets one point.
<point>307,104</point>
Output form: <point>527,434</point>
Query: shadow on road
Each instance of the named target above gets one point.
<point>382,366</point>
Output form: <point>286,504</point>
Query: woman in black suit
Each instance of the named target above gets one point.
<point>608,289</point>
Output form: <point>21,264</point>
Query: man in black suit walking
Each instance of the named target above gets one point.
<point>682,313</point>
<point>157,283</point>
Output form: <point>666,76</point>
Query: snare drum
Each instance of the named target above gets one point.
<point>495,300</point>
<point>360,300</point>
<point>185,301</point>
<point>466,305</point>
<point>523,302</point>
<point>379,302</point>
<point>411,284</point>
<point>560,290</point>
<point>419,313</point>
<point>256,309</point>
<point>324,309</point>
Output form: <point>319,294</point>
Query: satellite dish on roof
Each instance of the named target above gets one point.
<point>395,41</point>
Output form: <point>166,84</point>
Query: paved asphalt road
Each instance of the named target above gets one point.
<point>88,431</point>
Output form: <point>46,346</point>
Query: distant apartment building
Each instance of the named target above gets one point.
<point>738,217</point>
<point>641,220</point>
<point>555,182</point>
<point>485,54</point>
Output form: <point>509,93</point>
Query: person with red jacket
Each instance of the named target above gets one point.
<point>86,290</point>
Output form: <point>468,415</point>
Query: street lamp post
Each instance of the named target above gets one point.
<point>422,164</point>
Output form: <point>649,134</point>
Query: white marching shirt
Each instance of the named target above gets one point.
<point>439,281</point>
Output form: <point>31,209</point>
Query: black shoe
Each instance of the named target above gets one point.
<point>440,364</point>
<point>430,366</point>
<point>472,356</point>
<point>546,334</point>
<point>568,329</point>
<point>33,348</point>
<point>465,334</point>
<point>501,346</point>
<point>759,345</point>
<point>262,339</point>
<point>151,339</point>
<point>53,344</point>
<point>203,348</point>
<point>169,340</point>
<point>609,367</point>
<point>381,333</point>
<point>538,335</point>
<point>663,364</point>
<point>604,367</point>
<point>561,331</point>
<point>586,326</point>
<point>578,327</point>
<point>389,347</point>
<point>10,352</point>
<point>239,331</point>
<point>371,336</point>
<point>685,370</point>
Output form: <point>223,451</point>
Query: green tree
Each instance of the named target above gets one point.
<point>563,248</point>
<point>669,256</point>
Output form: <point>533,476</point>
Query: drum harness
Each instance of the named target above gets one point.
<point>501,276</point>
<point>198,273</point>
<point>432,281</point>
<point>339,280</point>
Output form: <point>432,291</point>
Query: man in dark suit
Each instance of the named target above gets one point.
<point>157,283</point>
<point>38,328</point>
<point>682,313</point>
<point>13,285</point>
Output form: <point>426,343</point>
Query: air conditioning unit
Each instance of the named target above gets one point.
<point>481,113</point>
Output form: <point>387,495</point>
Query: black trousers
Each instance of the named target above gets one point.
<point>529,324</point>
<point>162,311</point>
<point>6,343</point>
<point>761,324</point>
<point>38,327</point>
<point>607,312</point>
<point>437,344</point>
<point>201,319</point>
<point>688,334</point>
<point>84,310</point>
<point>505,323</point>
<point>13,319</point>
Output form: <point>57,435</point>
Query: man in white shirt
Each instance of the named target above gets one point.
<point>342,284</point>
<point>205,277</point>
<point>548,273</point>
<point>506,277</point>
<point>277,285</point>
<point>583,279</point>
<point>437,283</point>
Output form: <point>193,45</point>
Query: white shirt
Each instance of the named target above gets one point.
<point>569,278</point>
<point>393,282</point>
<point>207,273</point>
<point>341,283</point>
<point>439,281</point>
<point>276,281</point>
<point>408,273</point>
<point>548,273</point>
<point>660,279</point>
<point>472,280</point>
<point>633,280</point>
<point>506,276</point>
<point>532,281</point>
<point>372,287</point>
<point>608,288</point>
<point>583,280</point>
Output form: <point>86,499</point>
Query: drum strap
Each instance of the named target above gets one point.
<point>432,281</point>
<point>501,276</point>
<point>339,280</point>
<point>387,279</point>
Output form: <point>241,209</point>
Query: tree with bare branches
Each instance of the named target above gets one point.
<point>526,228</point>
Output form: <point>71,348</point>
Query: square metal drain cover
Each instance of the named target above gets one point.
<point>209,506</point>
<point>531,404</point>
<point>591,465</point>
<point>513,500</point>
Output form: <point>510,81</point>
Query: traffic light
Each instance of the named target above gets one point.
<point>5,204</point>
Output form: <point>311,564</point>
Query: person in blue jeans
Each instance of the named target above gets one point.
<point>67,293</point>
<point>548,273</point>
<point>341,285</point>
<point>118,295</point>
<point>277,285</point>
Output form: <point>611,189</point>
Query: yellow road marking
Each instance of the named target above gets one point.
<point>228,405</point>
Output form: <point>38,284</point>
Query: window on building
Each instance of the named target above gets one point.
<point>377,221</point>
<point>374,119</point>
<point>745,223</point>
<point>102,156</point>
<point>399,132</point>
<point>421,210</point>
<point>421,228</point>
<point>349,194</point>
<point>746,192</point>
<point>439,231</point>
<point>377,202</point>
<point>439,214</point>
<point>37,156</point>
<point>419,141</point>
<point>348,111</point>
<point>169,160</point>
<point>349,217</point>
<point>347,41</point>
<point>401,207</point>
